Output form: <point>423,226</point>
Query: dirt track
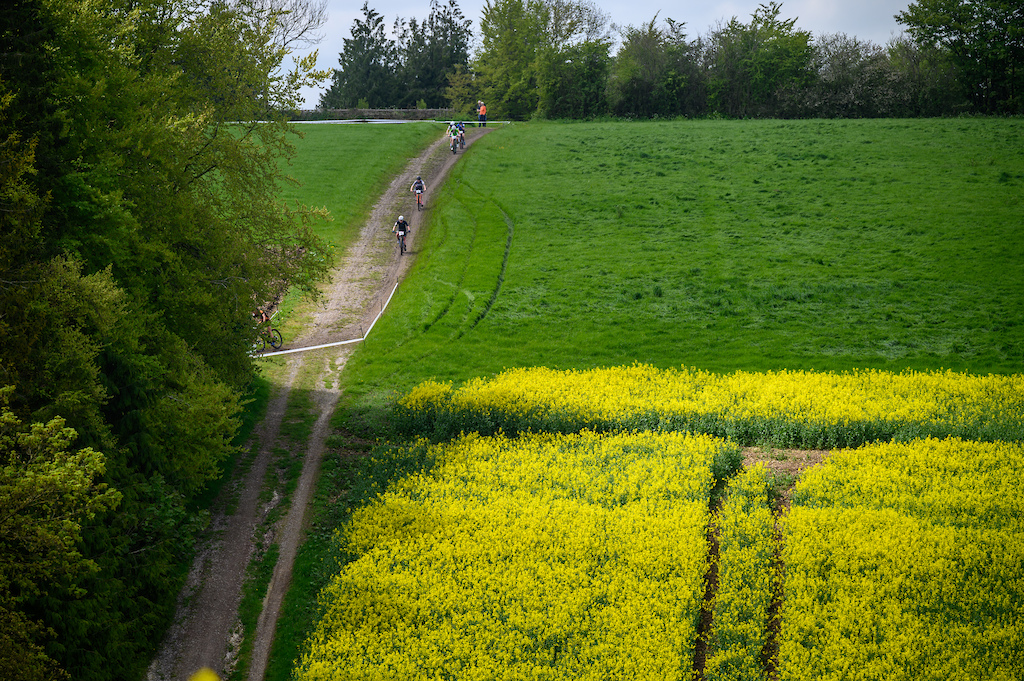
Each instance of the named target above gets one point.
<point>206,630</point>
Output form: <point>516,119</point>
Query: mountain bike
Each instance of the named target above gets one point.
<point>455,143</point>
<point>462,139</point>
<point>419,199</point>
<point>401,242</point>
<point>267,335</point>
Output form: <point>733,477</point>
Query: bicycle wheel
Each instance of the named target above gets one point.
<point>275,339</point>
<point>259,345</point>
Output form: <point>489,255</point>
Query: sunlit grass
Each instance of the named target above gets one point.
<point>754,245</point>
<point>344,168</point>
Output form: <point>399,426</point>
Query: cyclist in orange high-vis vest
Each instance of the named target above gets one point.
<point>482,113</point>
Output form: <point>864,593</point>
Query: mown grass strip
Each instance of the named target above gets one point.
<point>345,168</point>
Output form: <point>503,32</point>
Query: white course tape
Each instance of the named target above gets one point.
<point>337,343</point>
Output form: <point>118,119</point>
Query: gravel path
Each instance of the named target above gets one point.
<point>206,631</point>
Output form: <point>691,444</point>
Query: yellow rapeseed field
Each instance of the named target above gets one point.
<point>583,556</point>
<point>824,408</point>
<point>746,558</point>
<point>906,561</point>
<point>545,557</point>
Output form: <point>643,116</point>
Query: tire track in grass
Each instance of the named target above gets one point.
<point>457,285</point>
<point>477,245</point>
<point>501,273</point>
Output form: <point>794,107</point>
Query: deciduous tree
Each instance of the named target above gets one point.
<point>140,144</point>
<point>655,73</point>
<point>573,80</point>
<point>47,490</point>
<point>519,38</point>
<point>750,64</point>
<point>985,39</point>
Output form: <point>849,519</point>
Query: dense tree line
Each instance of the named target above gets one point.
<point>409,70</point>
<point>554,58</point>
<point>140,226</point>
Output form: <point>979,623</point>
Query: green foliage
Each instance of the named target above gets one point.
<point>366,73</point>
<point>376,71</point>
<point>140,185</point>
<point>985,41</point>
<point>430,52</point>
<point>46,492</point>
<point>551,58</point>
<point>190,428</point>
<point>655,73</point>
<point>571,81</point>
<point>753,62</point>
<point>51,354</point>
<point>532,51</point>
<point>857,79</point>
<point>510,38</point>
<point>460,94</point>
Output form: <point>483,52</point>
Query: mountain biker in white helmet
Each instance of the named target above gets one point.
<point>401,226</point>
<point>400,229</point>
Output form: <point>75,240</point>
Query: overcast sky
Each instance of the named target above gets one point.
<point>866,19</point>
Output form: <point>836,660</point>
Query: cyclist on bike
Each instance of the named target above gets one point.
<point>418,187</point>
<point>400,229</point>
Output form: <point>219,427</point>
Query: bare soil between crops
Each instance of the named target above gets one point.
<point>207,631</point>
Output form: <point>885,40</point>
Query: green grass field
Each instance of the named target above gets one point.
<point>344,169</point>
<point>723,245</point>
